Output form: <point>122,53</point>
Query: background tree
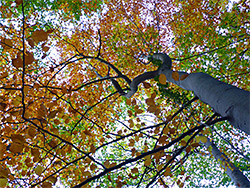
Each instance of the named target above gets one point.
<point>66,66</point>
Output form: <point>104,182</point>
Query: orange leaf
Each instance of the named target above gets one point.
<point>175,75</point>
<point>162,79</point>
<point>4,75</point>
<point>184,76</point>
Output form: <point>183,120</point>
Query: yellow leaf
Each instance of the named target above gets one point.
<point>3,181</point>
<point>202,139</point>
<point>162,79</point>
<point>175,75</point>
<point>38,170</point>
<point>148,161</point>
<point>184,76</point>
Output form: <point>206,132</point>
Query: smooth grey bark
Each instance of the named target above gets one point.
<point>226,100</point>
<point>232,171</point>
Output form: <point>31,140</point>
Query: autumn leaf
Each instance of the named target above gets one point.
<point>39,36</point>
<point>46,185</point>
<point>146,85</point>
<point>19,2</point>
<point>148,160</point>
<point>3,75</point>
<point>6,44</point>
<point>17,62</point>
<point>38,170</point>
<point>184,76</point>
<point>42,111</point>
<point>31,42</point>
<point>163,79</point>
<point>201,139</point>
<point>52,114</point>
<point>175,75</point>
<point>45,48</point>
<point>135,170</point>
<point>92,148</point>
<point>29,58</point>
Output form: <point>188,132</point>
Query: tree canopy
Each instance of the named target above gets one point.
<point>66,71</point>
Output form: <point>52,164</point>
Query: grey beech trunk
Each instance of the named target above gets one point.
<point>233,172</point>
<point>227,100</point>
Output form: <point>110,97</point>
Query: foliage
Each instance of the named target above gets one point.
<point>63,66</point>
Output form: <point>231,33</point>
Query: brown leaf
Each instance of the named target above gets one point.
<point>45,48</point>
<point>52,114</point>
<point>184,76</point>
<point>175,75</point>
<point>31,42</point>
<point>146,85</point>
<point>6,44</point>
<point>29,58</point>
<point>19,2</point>
<point>17,62</point>
<point>39,36</point>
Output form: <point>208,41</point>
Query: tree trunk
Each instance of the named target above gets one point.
<point>233,172</point>
<point>227,100</point>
